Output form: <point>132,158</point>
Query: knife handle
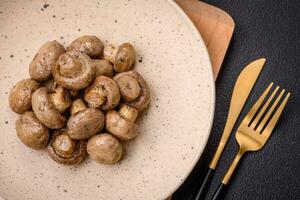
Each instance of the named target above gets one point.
<point>219,194</point>
<point>204,187</point>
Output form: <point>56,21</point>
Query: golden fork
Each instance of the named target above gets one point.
<point>255,130</point>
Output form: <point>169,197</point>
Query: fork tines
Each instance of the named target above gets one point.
<point>265,113</point>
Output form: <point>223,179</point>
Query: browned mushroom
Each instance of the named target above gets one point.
<point>62,149</point>
<point>31,131</point>
<point>123,56</point>
<point>77,106</point>
<point>45,111</point>
<point>86,123</point>
<point>134,89</point>
<point>105,148</point>
<point>74,70</point>
<point>103,68</point>
<point>91,45</point>
<point>103,93</point>
<point>121,124</point>
<point>20,95</point>
<point>41,65</point>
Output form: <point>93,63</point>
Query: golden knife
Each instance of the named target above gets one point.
<point>241,91</point>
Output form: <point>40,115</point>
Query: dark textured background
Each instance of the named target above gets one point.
<point>268,29</point>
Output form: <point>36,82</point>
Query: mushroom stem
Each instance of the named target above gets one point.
<point>77,106</point>
<point>60,99</point>
<point>128,112</point>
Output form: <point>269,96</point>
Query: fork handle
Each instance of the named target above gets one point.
<point>219,194</point>
<point>222,187</point>
<point>203,189</point>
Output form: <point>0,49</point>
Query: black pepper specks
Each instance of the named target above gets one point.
<point>116,21</point>
<point>79,29</point>
<point>141,59</point>
<point>6,122</point>
<point>11,56</point>
<point>46,5</point>
<point>53,16</point>
<point>65,190</point>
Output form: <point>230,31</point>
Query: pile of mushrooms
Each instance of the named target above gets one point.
<point>80,101</point>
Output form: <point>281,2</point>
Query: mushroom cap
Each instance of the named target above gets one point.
<point>120,127</point>
<point>21,94</point>
<point>105,148</point>
<point>74,70</point>
<point>31,131</point>
<point>91,45</point>
<point>62,150</point>
<point>103,93</point>
<point>46,57</point>
<point>86,123</point>
<point>109,53</point>
<point>60,98</point>
<point>103,68</point>
<point>144,96</point>
<point>125,58</point>
<point>129,88</point>
<point>45,111</point>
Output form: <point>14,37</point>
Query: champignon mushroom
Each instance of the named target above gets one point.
<point>91,45</point>
<point>31,131</point>
<point>20,95</point>
<point>60,98</point>
<point>121,124</point>
<point>46,57</point>
<point>74,70</point>
<point>104,148</point>
<point>77,106</point>
<point>103,93</point>
<point>134,89</point>
<point>62,149</point>
<point>123,57</point>
<point>86,123</point>
<point>45,111</point>
<point>103,68</point>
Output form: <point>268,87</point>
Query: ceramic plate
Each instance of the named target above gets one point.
<point>172,132</point>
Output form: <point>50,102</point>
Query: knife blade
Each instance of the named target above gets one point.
<point>242,89</point>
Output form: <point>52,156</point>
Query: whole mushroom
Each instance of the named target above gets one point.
<point>105,148</point>
<point>74,70</point>
<point>121,124</point>
<point>62,149</point>
<point>103,93</point>
<point>31,131</point>
<point>85,123</point>
<point>103,68</point>
<point>134,89</point>
<point>46,57</point>
<point>91,45</point>
<point>21,94</point>
<point>123,56</point>
<point>45,110</point>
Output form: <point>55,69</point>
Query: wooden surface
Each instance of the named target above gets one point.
<point>215,25</point>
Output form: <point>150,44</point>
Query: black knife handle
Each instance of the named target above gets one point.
<point>203,189</point>
<point>219,194</point>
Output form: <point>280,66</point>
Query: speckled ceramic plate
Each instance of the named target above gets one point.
<point>173,131</point>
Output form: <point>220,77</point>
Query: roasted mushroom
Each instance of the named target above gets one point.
<point>62,149</point>
<point>45,110</point>
<point>60,98</point>
<point>86,123</point>
<point>123,56</point>
<point>91,45</point>
<point>77,106</point>
<point>121,124</point>
<point>104,148</point>
<point>103,93</point>
<point>41,65</point>
<point>134,89</point>
<point>103,68</point>
<point>74,70</point>
<point>20,95</point>
<point>31,131</point>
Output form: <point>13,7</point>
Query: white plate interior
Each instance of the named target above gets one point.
<point>173,131</point>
